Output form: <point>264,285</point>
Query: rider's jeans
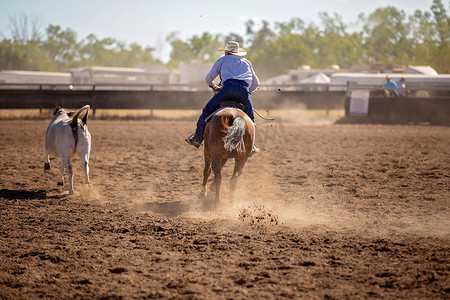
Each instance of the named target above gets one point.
<point>232,90</point>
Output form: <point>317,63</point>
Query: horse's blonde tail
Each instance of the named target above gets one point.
<point>234,140</point>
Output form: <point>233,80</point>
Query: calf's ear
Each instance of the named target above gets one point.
<point>57,108</point>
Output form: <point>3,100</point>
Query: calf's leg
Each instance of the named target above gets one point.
<point>47,162</point>
<point>61,174</point>
<point>68,166</point>
<point>85,166</point>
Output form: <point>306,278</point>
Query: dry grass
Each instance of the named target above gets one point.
<point>14,114</point>
<point>301,116</point>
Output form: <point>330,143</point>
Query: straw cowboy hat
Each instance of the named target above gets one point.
<point>233,49</point>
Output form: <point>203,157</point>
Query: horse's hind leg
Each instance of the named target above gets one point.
<point>238,168</point>
<point>217,165</point>
<point>206,173</point>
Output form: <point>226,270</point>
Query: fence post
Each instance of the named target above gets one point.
<point>40,100</point>
<point>93,100</point>
<point>327,90</point>
<point>348,94</point>
<point>151,109</point>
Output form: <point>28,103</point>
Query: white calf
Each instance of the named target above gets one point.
<point>66,135</point>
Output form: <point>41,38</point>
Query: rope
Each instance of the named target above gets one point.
<point>264,118</point>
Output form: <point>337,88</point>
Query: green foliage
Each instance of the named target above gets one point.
<point>61,46</point>
<point>16,55</point>
<point>386,36</point>
<point>59,50</point>
<point>203,48</point>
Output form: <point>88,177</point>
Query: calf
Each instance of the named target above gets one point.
<point>66,135</point>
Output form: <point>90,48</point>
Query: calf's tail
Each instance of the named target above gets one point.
<point>75,117</point>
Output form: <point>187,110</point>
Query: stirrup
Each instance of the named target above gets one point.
<point>192,141</point>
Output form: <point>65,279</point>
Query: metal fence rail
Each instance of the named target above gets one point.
<point>156,97</point>
<point>163,87</point>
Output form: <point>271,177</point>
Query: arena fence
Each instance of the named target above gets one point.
<point>430,104</point>
<point>423,104</point>
<point>44,96</point>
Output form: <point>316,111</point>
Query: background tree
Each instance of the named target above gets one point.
<point>260,48</point>
<point>335,45</point>
<point>23,51</point>
<point>233,37</point>
<point>61,46</point>
<point>181,51</point>
<point>441,51</point>
<point>385,36</point>
<point>25,28</point>
<point>97,52</point>
<point>205,47</point>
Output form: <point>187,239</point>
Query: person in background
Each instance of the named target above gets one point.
<point>238,82</point>
<point>402,88</point>
<point>390,88</point>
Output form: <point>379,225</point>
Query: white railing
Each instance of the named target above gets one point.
<point>412,87</point>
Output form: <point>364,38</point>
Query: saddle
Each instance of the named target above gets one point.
<point>225,104</point>
<point>232,104</point>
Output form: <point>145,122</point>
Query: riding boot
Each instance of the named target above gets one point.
<point>191,140</point>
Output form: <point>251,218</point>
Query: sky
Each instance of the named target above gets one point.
<point>149,22</point>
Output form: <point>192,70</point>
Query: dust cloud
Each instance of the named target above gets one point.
<point>257,204</point>
<point>313,176</point>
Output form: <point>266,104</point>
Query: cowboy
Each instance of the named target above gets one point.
<point>390,87</point>
<point>238,82</point>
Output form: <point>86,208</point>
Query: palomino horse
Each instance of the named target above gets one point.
<point>229,134</point>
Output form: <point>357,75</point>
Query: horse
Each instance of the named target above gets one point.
<point>229,133</point>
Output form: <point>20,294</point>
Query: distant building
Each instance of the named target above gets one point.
<point>370,75</point>
<point>34,77</point>
<point>194,72</point>
<point>304,75</point>
<point>413,74</point>
<point>111,75</point>
<point>421,81</point>
<point>425,70</point>
<point>376,68</point>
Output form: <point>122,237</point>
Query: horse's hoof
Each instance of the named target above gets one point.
<point>60,183</point>
<point>46,166</point>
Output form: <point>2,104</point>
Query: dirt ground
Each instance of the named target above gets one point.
<point>322,212</point>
